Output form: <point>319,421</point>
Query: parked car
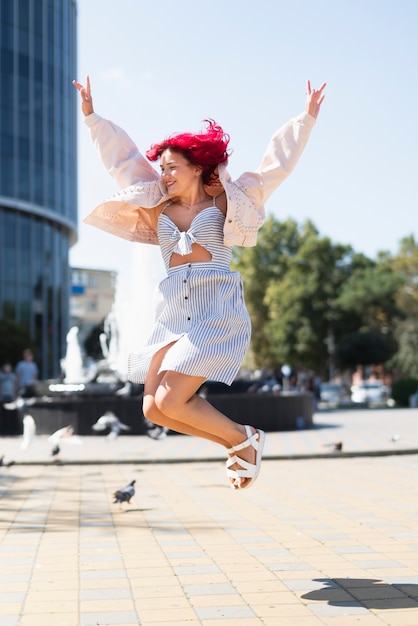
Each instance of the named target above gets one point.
<point>331,394</point>
<point>370,392</point>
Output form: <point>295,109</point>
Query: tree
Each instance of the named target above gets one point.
<point>292,280</point>
<point>262,265</point>
<point>370,294</point>
<point>406,357</point>
<point>306,295</point>
<point>364,348</point>
<point>304,319</point>
<point>406,329</point>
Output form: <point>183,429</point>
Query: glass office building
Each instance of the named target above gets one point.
<point>38,179</point>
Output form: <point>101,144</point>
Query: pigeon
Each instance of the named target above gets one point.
<point>154,431</point>
<point>19,403</point>
<point>4,463</point>
<point>29,431</point>
<point>62,434</point>
<point>125,390</point>
<point>335,447</point>
<point>124,494</point>
<point>110,421</point>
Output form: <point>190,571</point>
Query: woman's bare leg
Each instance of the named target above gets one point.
<point>169,399</point>
<point>152,413</point>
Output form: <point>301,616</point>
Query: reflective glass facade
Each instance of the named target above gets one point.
<point>38,179</point>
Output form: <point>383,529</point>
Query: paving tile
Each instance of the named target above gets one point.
<point>10,596</point>
<point>11,577</point>
<point>283,567</point>
<point>406,617</point>
<point>278,620</point>
<point>347,550</point>
<point>224,612</point>
<point>100,605</point>
<point>10,608</point>
<point>105,594</point>
<point>196,570</point>
<point>149,616</point>
<point>50,606</point>
<point>175,601</point>
<point>102,574</point>
<point>375,564</point>
<point>214,589</point>
<point>10,620</point>
<point>223,600</point>
<point>122,618</point>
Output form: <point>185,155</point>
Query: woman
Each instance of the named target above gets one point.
<point>195,213</point>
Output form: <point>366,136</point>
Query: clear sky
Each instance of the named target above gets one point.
<point>162,67</point>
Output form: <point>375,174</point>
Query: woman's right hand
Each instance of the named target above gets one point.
<point>86,99</point>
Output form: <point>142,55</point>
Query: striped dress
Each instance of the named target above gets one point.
<point>203,309</point>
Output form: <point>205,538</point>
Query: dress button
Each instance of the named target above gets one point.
<point>188,319</point>
<point>185,281</point>
<point>186,297</point>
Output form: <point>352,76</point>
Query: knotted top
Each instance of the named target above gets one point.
<point>206,230</point>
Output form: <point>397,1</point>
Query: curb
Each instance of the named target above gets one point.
<point>270,457</point>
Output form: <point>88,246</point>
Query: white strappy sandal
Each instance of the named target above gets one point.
<point>249,470</point>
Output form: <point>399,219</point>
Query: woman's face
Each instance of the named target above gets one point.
<point>177,172</point>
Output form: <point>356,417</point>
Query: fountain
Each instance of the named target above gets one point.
<point>72,363</point>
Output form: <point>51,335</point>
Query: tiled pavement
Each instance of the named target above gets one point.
<point>316,541</point>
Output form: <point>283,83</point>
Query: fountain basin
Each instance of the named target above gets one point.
<point>269,411</point>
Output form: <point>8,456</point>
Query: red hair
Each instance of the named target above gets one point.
<point>206,149</point>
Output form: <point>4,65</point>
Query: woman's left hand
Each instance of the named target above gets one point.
<point>86,99</point>
<point>314,99</point>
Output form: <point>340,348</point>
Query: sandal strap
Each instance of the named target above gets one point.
<point>250,441</point>
<point>246,469</point>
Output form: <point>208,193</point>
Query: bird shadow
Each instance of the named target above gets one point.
<point>137,510</point>
<point>370,593</point>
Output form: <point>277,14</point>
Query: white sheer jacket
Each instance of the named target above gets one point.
<point>133,212</point>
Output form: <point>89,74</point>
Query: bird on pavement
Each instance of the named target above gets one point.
<point>62,434</point>
<point>110,422</point>
<point>335,447</point>
<point>124,494</point>
<point>154,431</point>
<point>4,463</point>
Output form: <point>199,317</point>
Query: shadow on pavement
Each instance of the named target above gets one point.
<point>371,593</point>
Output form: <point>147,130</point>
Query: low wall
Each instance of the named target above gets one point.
<point>271,412</point>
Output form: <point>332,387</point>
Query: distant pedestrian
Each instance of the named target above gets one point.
<point>27,375</point>
<point>8,383</point>
<point>8,390</point>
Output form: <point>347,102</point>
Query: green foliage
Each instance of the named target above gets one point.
<point>364,348</point>
<point>402,389</point>
<point>370,294</point>
<point>406,357</point>
<point>406,263</point>
<point>305,294</point>
<point>263,265</point>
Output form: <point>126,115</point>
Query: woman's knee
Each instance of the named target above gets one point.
<point>150,410</point>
